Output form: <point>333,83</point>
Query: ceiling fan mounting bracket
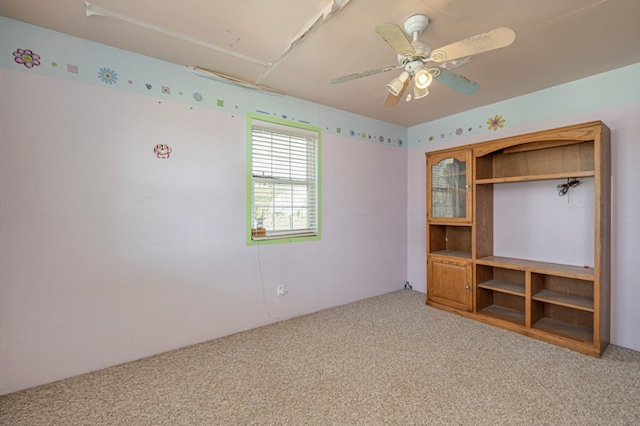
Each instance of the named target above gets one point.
<point>416,23</point>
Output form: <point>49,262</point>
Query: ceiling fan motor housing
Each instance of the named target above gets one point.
<point>413,66</point>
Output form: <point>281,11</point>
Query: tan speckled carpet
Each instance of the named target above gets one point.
<point>388,360</point>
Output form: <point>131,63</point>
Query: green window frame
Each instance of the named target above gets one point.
<point>283,181</point>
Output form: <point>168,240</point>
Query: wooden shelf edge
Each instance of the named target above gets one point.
<point>451,254</point>
<point>551,176</point>
<point>504,287</point>
<point>582,303</point>
<point>557,269</point>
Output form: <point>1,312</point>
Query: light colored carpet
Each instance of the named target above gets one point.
<point>388,360</point>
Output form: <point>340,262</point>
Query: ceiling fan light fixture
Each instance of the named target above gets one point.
<point>395,86</point>
<point>423,79</point>
<point>419,93</point>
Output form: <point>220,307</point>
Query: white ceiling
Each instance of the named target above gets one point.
<point>557,41</point>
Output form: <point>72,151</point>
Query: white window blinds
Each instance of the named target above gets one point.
<point>284,180</point>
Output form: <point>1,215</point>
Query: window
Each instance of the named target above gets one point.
<point>283,188</point>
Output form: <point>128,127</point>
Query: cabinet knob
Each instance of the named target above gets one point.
<point>467,287</point>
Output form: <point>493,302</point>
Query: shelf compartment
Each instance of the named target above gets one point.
<point>498,304</point>
<point>559,158</point>
<point>450,240</point>
<point>569,331</point>
<point>584,303</point>
<point>502,280</point>
<point>563,291</point>
<point>559,320</point>
<point>503,313</point>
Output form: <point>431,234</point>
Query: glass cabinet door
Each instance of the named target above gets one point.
<point>449,186</point>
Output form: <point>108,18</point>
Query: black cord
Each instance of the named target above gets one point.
<point>563,188</point>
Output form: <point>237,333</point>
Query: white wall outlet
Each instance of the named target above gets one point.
<point>280,290</point>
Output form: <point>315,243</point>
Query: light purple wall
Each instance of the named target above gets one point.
<point>108,254</point>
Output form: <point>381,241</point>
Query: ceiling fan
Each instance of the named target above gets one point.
<point>413,56</point>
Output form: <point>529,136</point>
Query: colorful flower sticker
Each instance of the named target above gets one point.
<point>107,75</point>
<point>459,131</point>
<point>162,150</point>
<point>197,97</point>
<point>166,90</point>
<point>72,68</point>
<point>496,122</point>
<point>26,57</point>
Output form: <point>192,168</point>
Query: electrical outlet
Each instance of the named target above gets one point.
<point>280,290</point>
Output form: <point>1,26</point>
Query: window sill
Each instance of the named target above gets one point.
<point>275,236</point>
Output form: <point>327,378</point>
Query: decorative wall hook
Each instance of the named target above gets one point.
<point>162,150</point>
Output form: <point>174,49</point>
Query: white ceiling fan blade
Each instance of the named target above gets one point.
<point>364,74</point>
<point>491,40</point>
<point>395,37</point>
<point>454,81</point>
<point>391,100</point>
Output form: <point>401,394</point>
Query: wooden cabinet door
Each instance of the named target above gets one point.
<point>449,283</point>
<point>449,186</point>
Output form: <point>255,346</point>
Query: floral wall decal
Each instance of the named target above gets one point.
<point>496,122</point>
<point>107,75</point>
<point>197,97</point>
<point>26,57</point>
<point>162,150</point>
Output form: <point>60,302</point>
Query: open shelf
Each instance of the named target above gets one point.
<point>584,303</point>
<point>564,291</point>
<point>503,287</point>
<point>570,331</point>
<point>537,160</point>
<point>576,324</point>
<point>502,280</point>
<point>503,313</point>
<point>450,240</point>
<point>525,178</point>
<point>492,300</point>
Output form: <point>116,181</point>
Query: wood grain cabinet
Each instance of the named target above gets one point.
<point>567,305</point>
<point>450,282</point>
<point>449,229</point>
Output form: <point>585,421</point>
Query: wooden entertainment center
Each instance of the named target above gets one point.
<point>567,305</point>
